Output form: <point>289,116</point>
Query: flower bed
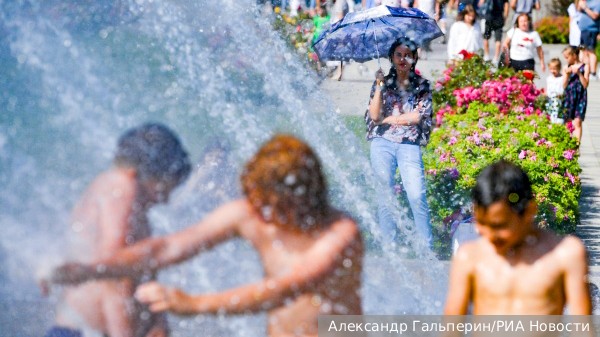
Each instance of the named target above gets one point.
<point>298,32</point>
<point>485,116</point>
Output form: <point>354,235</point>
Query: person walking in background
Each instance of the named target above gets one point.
<point>574,31</point>
<point>464,35</point>
<point>111,215</point>
<point>311,252</point>
<point>523,42</point>
<point>399,123</point>
<point>431,8</point>
<point>589,24</point>
<point>524,6</point>
<point>336,10</point>
<point>555,90</point>
<point>576,79</point>
<point>494,23</point>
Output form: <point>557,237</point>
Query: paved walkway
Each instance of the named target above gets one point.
<point>351,94</point>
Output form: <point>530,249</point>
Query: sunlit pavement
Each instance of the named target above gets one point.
<point>350,96</point>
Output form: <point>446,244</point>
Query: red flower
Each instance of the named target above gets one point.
<point>528,74</point>
<point>466,55</point>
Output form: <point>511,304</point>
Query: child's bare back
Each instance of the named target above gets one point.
<point>284,250</point>
<point>103,222</point>
<point>111,215</point>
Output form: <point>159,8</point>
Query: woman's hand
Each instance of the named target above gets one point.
<point>380,77</point>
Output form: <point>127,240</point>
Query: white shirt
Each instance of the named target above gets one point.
<point>574,32</point>
<point>427,7</point>
<point>554,86</point>
<point>523,44</point>
<point>463,36</point>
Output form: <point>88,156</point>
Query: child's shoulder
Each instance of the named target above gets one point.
<point>570,246</point>
<point>115,182</point>
<point>470,251</point>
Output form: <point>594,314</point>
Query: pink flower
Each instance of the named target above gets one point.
<point>571,177</point>
<point>568,154</point>
<point>522,154</point>
<point>452,140</point>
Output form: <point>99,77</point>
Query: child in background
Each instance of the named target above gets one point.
<point>464,35</point>
<point>320,19</point>
<point>555,91</point>
<point>576,79</point>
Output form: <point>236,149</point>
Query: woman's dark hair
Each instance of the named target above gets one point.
<point>503,181</point>
<point>529,26</point>
<point>467,10</point>
<point>390,79</point>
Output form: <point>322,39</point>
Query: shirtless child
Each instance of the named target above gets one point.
<point>149,162</point>
<point>515,268</point>
<point>312,253</point>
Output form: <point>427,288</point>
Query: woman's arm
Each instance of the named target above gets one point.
<point>376,102</point>
<point>540,53</point>
<point>408,119</point>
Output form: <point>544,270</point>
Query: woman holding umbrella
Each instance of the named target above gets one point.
<point>399,122</point>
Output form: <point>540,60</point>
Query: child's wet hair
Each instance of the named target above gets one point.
<point>285,185</point>
<point>155,152</point>
<point>503,181</point>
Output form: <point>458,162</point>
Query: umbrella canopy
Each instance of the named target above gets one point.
<point>367,35</point>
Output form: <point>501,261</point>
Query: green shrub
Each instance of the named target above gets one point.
<point>466,143</point>
<point>553,29</point>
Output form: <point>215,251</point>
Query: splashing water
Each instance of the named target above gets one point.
<point>76,74</point>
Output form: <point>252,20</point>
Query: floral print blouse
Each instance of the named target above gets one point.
<point>397,101</point>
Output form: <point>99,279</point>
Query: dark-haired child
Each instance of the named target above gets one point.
<point>515,268</point>
<point>111,215</point>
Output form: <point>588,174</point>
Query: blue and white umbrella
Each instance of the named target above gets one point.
<point>367,35</point>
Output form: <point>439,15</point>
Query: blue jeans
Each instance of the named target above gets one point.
<point>386,158</point>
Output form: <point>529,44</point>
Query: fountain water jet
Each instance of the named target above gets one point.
<point>76,74</point>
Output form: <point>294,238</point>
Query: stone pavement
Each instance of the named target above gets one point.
<point>350,96</point>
